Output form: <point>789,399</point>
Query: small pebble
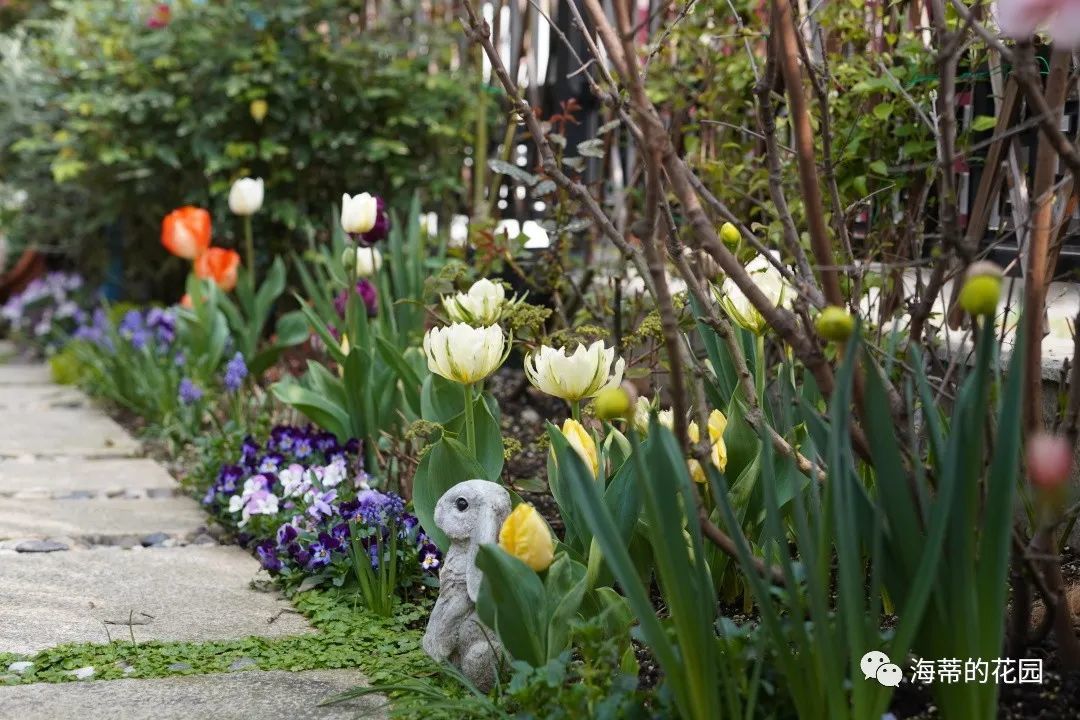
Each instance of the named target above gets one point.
<point>154,539</point>
<point>243,664</point>
<point>40,546</point>
<point>84,672</point>
<point>178,666</point>
<point>21,666</point>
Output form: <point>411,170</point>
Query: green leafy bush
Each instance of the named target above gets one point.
<point>108,122</point>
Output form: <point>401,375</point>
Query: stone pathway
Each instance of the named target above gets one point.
<point>97,544</point>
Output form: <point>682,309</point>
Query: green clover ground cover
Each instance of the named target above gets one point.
<point>387,650</point>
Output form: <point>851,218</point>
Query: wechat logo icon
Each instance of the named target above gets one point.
<point>876,665</point>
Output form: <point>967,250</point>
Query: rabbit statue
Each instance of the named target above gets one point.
<point>470,513</point>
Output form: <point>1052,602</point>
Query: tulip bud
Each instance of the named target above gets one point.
<point>612,403</point>
<point>730,235</point>
<point>358,213</point>
<point>1049,460</point>
<point>246,196</point>
<point>835,323</point>
<point>258,110</point>
<point>526,536</point>
<point>582,443</point>
<point>365,262</point>
<point>982,288</point>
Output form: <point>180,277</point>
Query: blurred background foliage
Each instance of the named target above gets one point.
<point>114,112</point>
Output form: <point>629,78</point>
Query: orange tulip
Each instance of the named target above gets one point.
<point>185,301</point>
<point>219,265</point>
<point>185,232</point>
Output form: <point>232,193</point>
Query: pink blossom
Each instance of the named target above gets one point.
<point>1019,19</point>
<point>1049,460</point>
<point>160,17</point>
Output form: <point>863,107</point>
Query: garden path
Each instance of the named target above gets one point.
<point>99,545</point>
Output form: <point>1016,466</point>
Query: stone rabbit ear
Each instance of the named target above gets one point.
<point>489,520</point>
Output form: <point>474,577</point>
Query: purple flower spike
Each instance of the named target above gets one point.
<point>235,372</point>
<point>189,392</point>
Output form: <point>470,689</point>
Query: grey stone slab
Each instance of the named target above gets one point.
<point>252,695</point>
<point>192,593</point>
<point>83,432</point>
<point>60,477</point>
<point>29,518</point>
<point>41,397</point>
<point>25,374</point>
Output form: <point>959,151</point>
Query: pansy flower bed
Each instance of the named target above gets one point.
<point>302,501</point>
<point>48,309</point>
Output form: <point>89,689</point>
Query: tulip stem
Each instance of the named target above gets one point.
<point>575,409</point>
<point>249,242</point>
<point>470,421</point>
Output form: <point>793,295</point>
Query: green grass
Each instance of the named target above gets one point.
<point>387,650</point>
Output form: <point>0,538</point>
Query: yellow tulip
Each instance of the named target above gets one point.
<point>582,442</point>
<point>717,426</point>
<point>526,536</point>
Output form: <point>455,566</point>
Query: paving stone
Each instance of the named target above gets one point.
<point>40,397</point>
<point>25,374</point>
<point>63,476</point>
<point>90,519</point>
<point>82,431</point>
<point>192,593</point>
<point>253,695</point>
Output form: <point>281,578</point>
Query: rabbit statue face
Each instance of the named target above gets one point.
<point>471,513</point>
<point>473,510</point>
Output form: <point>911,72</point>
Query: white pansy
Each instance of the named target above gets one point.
<point>574,377</point>
<point>482,305</point>
<point>358,214</point>
<point>463,353</point>
<point>246,196</point>
<point>739,308</point>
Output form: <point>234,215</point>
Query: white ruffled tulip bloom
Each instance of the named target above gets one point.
<point>463,353</point>
<point>368,261</point>
<point>482,305</point>
<point>739,308</point>
<point>574,377</point>
<point>246,196</point>
<point>358,214</point>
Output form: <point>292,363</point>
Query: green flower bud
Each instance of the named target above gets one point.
<point>730,235</point>
<point>982,289</point>
<point>835,323</point>
<point>612,403</point>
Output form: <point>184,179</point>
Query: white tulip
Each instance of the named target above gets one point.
<point>358,214</point>
<point>482,305</point>
<point>463,353</point>
<point>574,377</point>
<point>739,308</point>
<point>246,196</point>
<point>367,261</point>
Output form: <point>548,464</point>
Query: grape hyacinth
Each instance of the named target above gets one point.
<point>189,392</point>
<point>235,372</point>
